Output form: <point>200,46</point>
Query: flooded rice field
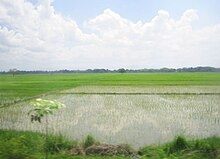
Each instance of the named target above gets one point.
<point>153,115</point>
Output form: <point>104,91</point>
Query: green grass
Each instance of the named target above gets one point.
<point>21,145</point>
<point>180,148</point>
<point>31,145</point>
<point>19,87</point>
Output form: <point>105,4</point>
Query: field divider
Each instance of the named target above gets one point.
<point>25,99</point>
<point>121,93</point>
<point>98,93</point>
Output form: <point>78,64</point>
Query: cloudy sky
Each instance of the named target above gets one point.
<point>111,34</point>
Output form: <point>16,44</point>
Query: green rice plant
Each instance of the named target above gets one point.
<point>117,119</point>
<point>32,85</point>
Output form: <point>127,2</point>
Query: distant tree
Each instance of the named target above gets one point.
<point>121,70</point>
<point>13,71</point>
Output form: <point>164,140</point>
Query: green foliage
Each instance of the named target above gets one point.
<point>42,108</point>
<point>121,70</point>
<point>19,145</point>
<point>208,148</point>
<point>152,152</point>
<point>177,145</point>
<point>58,144</point>
<point>181,148</point>
<point>30,145</point>
<point>14,148</point>
<point>89,141</point>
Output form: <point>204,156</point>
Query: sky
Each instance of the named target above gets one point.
<point>110,34</point>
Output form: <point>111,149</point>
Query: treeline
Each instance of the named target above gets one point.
<point>121,70</point>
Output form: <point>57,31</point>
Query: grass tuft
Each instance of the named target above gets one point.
<point>89,141</point>
<point>177,145</point>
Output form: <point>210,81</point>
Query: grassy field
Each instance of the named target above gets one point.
<point>20,87</point>
<point>115,108</point>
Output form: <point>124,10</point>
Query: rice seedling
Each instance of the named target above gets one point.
<point>137,120</point>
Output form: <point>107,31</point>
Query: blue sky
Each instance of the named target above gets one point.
<point>144,10</point>
<point>110,34</point>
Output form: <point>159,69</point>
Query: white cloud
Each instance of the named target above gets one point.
<point>37,37</point>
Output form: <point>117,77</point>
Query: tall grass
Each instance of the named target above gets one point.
<point>89,141</point>
<point>208,148</point>
<point>30,145</point>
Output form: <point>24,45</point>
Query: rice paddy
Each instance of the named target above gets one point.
<point>23,87</point>
<point>136,115</point>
